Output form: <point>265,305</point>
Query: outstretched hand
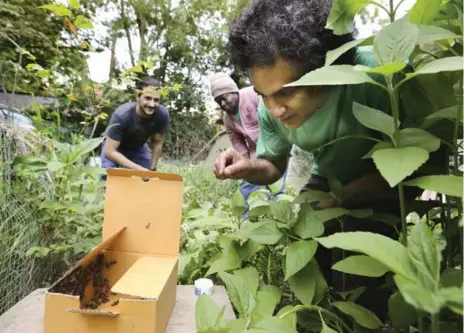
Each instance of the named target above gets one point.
<point>232,165</point>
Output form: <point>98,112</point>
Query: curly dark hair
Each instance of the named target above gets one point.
<point>291,29</point>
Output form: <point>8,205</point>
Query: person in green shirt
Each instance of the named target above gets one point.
<point>277,42</point>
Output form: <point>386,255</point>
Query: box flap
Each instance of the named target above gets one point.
<point>94,312</point>
<point>91,256</point>
<point>146,278</point>
<point>149,205</point>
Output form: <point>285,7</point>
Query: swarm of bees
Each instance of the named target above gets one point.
<point>75,283</point>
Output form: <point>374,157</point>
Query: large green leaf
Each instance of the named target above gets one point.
<point>396,41</point>
<point>449,185</point>
<point>417,296</point>
<point>307,225</point>
<point>423,11</point>
<point>299,254</point>
<point>83,22</point>
<point>449,64</point>
<point>383,249</point>
<point>74,4</point>
<point>401,313</point>
<point>416,137</point>
<point>55,166</point>
<point>386,70</point>
<point>238,205</point>
<point>241,297</point>
<point>342,15</point>
<point>267,299</point>
<point>374,119</point>
<point>361,315</point>
<point>332,76</point>
<point>361,265</point>
<point>309,196</point>
<point>454,298</point>
<point>251,276</point>
<point>58,10</point>
<point>84,148</point>
<point>265,232</point>
<point>303,283</point>
<point>452,278</point>
<point>325,328</point>
<point>398,163</point>
<point>424,256</point>
<point>271,325</point>
<point>207,314</point>
<point>451,112</point>
<point>228,259</point>
<point>333,55</point>
<point>289,316</point>
<point>379,146</point>
<point>282,211</point>
<point>432,33</point>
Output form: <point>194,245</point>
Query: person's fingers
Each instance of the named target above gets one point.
<point>236,170</point>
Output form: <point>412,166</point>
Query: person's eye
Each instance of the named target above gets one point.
<point>287,92</point>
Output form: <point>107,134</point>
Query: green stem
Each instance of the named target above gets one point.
<point>420,322</point>
<point>293,237</point>
<point>435,323</point>
<point>456,160</point>
<point>397,6</point>
<point>395,111</point>
<point>391,13</point>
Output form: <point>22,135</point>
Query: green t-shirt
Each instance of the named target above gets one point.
<point>237,117</point>
<point>334,120</point>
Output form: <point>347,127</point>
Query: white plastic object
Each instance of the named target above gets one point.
<point>203,286</point>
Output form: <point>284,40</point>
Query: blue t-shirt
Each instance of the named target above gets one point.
<point>133,131</point>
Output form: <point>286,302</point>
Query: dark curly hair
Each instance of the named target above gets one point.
<point>291,29</point>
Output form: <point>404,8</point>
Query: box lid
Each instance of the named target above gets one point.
<point>149,205</point>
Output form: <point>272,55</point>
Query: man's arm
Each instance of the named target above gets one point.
<point>111,152</point>
<point>158,140</point>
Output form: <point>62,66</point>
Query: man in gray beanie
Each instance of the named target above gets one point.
<point>240,118</point>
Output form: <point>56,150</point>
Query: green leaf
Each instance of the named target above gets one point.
<point>309,196</point>
<point>43,73</point>
<point>454,299</point>
<point>282,211</point>
<point>374,119</point>
<point>423,11</point>
<point>267,299</point>
<point>83,22</point>
<point>335,54</point>
<point>386,70</point>
<point>332,75</point>
<point>451,278</point>
<point>325,328</point>
<point>238,206</point>
<point>308,226</point>
<point>291,318</point>
<point>342,15</point>
<point>239,294</point>
<point>379,146</point>
<point>265,232</point>
<point>299,254</point>
<point>247,250</point>
<point>449,185</point>
<point>402,314</point>
<point>58,10</point>
<point>449,64</point>
<point>237,325</point>
<point>424,256</point>
<point>361,265</point>
<point>207,314</point>
<point>383,249</point>
<point>396,41</point>
<point>432,33</point>
<point>272,325</point>
<point>228,259</point>
<point>418,297</point>
<point>362,213</point>
<point>84,148</point>
<point>361,315</point>
<point>55,166</point>
<point>74,4</point>
<point>398,163</point>
<point>251,276</point>
<point>446,113</point>
<point>304,283</point>
<point>416,137</point>
<point>52,205</point>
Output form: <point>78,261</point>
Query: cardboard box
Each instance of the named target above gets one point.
<point>134,270</point>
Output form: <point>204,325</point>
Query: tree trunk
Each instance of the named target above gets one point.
<point>127,29</point>
<point>114,39</point>
<point>143,56</point>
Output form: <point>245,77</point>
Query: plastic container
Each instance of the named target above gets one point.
<point>203,286</point>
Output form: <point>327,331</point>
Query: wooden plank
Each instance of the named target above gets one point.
<point>27,315</point>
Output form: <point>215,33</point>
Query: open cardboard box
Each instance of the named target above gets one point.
<point>135,266</point>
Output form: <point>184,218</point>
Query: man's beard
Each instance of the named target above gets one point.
<point>144,111</point>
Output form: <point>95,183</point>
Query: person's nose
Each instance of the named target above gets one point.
<point>223,103</point>
<point>152,103</point>
<point>276,109</point>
